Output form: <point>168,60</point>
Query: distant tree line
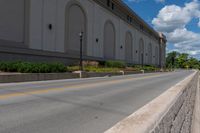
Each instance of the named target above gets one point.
<point>181,60</point>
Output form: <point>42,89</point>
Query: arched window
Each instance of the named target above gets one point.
<point>157,55</point>
<point>109,40</point>
<point>75,23</point>
<point>128,47</point>
<point>12,14</point>
<point>141,51</point>
<point>150,54</point>
<point>160,55</point>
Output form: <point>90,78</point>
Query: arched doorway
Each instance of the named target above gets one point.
<point>12,25</point>
<point>141,52</point>
<point>109,40</point>
<point>157,56</point>
<point>75,23</point>
<point>160,55</point>
<point>128,47</point>
<point>150,54</point>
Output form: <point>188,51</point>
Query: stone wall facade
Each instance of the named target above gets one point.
<point>196,114</point>
<point>171,112</point>
<point>111,31</point>
<point>179,117</point>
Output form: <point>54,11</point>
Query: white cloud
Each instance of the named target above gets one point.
<point>172,21</point>
<point>172,17</point>
<point>185,41</point>
<point>182,36</point>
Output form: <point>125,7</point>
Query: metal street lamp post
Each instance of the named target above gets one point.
<point>81,51</point>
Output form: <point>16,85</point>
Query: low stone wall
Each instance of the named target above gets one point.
<point>93,74</point>
<point>171,112</point>
<point>196,116</point>
<point>25,77</point>
<point>8,78</point>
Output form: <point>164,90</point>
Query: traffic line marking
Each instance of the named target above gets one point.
<point>43,91</point>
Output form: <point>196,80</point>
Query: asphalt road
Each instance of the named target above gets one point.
<point>78,106</point>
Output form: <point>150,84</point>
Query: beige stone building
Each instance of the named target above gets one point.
<point>48,30</point>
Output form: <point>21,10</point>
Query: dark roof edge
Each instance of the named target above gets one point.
<point>141,20</point>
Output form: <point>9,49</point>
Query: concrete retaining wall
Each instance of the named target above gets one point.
<point>25,77</point>
<point>8,78</point>
<point>93,74</point>
<point>171,112</point>
<point>196,116</point>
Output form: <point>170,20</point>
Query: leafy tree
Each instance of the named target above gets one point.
<point>193,63</point>
<point>171,60</point>
<point>181,60</point>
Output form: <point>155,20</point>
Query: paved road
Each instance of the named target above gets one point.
<point>78,106</point>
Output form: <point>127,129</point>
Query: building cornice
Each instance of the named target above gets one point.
<point>137,20</point>
<point>137,17</point>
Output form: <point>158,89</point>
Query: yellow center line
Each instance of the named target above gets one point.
<point>43,91</point>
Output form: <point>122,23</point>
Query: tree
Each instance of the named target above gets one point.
<point>193,63</point>
<point>181,60</point>
<point>171,60</point>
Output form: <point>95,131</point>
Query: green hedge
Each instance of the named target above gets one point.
<point>30,67</point>
<point>149,68</point>
<point>115,64</point>
<point>146,67</point>
<point>93,69</point>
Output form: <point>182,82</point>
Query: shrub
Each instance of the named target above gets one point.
<point>73,68</point>
<point>149,68</point>
<point>30,67</point>
<point>146,67</point>
<point>102,63</point>
<point>91,63</point>
<point>115,64</point>
<point>100,69</point>
<point>137,67</point>
<point>8,66</point>
<point>93,69</point>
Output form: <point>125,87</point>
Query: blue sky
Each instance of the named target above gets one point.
<point>179,20</point>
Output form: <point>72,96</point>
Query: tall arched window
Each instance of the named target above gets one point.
<point>75,23</point>
<point>12,14</point>
<point>160,55</point>
<point>128,47</point>
<point>157,55</point>
<point>109,40</point>
<point>150,54</point>
<point>141,51</point>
